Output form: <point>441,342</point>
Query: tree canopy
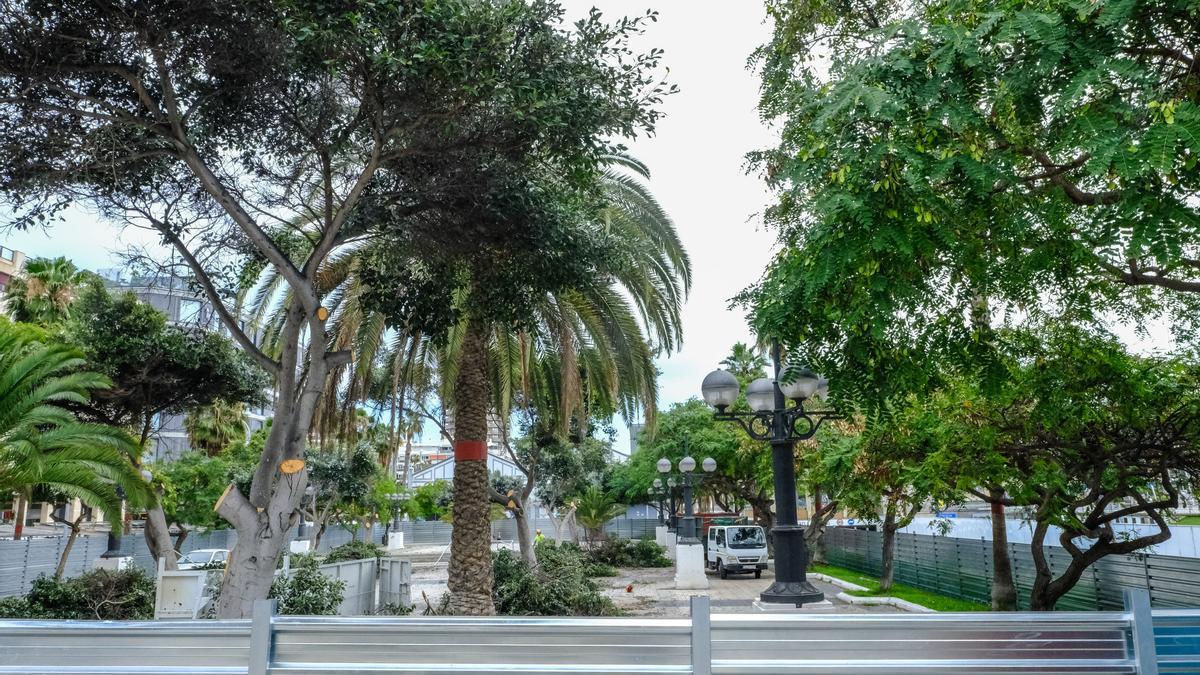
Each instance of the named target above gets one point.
<point>155,368</point>
<point>940,160</point>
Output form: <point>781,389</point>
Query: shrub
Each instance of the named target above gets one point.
<point>125,595</point>
<point>558,586</point>
<point>594,569</point>
<point>306,591</point>
<point>626,553</point>
<point>355,550</point>
<point>394,609</point>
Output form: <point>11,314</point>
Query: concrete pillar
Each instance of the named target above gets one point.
<point>669,541</point>
<point>395,541</point>
<point>689,567</point>
<point>660,535</point>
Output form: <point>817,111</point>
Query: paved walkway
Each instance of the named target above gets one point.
<point>653,589</point>
<point>654,594</point>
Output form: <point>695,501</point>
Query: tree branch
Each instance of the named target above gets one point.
<point>210,291</point>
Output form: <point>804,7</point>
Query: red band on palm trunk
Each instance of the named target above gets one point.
<point>470,451</point>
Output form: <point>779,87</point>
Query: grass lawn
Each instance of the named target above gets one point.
<point>922,597</point>
<point>1188,520</point>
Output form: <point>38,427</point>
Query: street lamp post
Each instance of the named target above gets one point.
<point>659,493</point>
<point>687,529</point>
<point>772,420</point>
<point>672,519</point>
<point>689,554</point>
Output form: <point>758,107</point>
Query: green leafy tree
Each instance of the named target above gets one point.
<point>343,481</point>
<point>830,469</point>
<point>43,291</point>
<point>743,474</point>
<point>193,484</point>
<point>938,159</point>
<point>1082,434</point>
<point>43,445</point>
<point>156,370</point>
<point>460,135</point>
<point>430,501</point>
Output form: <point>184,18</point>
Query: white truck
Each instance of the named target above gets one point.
<point>736,549</point>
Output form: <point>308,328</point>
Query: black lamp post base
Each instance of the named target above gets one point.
<point>792,593</point>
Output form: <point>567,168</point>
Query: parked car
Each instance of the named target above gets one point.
<point>202,557</point>
<point>736,549</point>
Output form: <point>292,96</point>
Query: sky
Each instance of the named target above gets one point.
<point>697,160</point>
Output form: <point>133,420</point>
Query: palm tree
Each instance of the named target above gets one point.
<point>43,445</point>
<point>43,293</point>
<point>593,509</point>
<point>589,349</point>
<point>745,362</point>
<point>214,427</point>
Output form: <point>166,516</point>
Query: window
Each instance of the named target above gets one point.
<point>219,556</point>
<point>720,537</point>
<point>189,311</point>
<point>712,534</point>
<point>746,537</point>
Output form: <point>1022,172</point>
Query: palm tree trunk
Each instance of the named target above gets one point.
<point>470,575</point>
<point>21,512</point>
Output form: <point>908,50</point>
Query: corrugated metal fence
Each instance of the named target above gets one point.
<point>23,561</point>
<point>962,568</point>
<point>1135,641</point>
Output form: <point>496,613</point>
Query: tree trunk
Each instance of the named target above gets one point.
<point>470,574</point>
<point>182,537</point>
<point>62,560</point>
<point>407,460</point>
<point>563,523</point>
<point>318,532</point>
<point>1039,597</point>
<point>262,536</point>
<point>814,535</point>
<point>1004,591</point>
<point>525,537</point>
<point>158,538</point>
<point>20,513</point>
<point>888,555</point>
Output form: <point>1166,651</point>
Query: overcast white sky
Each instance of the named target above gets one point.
<point>697,160</point>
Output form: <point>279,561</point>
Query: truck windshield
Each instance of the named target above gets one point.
<point>746,537</point>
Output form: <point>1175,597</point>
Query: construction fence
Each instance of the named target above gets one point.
<point>962,568</point>
<point>25,560</point>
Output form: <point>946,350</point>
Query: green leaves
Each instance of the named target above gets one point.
<point>960,152</point>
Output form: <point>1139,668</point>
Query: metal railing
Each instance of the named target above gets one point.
<point>1131,641</point>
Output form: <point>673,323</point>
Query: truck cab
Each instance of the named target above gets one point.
<point>736,549</point>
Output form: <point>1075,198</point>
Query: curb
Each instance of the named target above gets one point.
<point>837,582</point>
<point>878,600</point>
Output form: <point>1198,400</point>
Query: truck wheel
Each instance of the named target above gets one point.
<point>757,574</point>
<point>721,569</point>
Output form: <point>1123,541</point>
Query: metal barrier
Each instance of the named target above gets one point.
<point>1177,640</point>
<point>395,582</point>
<point>1130,641</point>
